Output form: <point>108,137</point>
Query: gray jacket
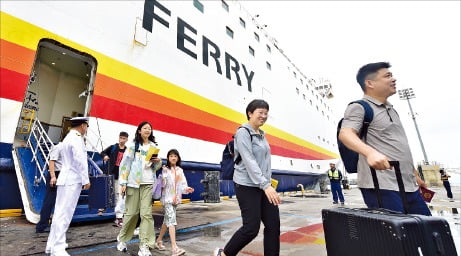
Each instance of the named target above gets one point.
<point>255,168</point>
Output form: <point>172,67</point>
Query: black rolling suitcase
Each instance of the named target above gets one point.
<point>101,194</point>
<point>381,232</point>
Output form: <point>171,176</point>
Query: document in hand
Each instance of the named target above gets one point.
<point>153,152</point>
<point>427,194</point>
<point>274,183</point>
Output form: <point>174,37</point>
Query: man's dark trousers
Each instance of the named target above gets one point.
<point>447,186</point>
<point>337,191</point>
<point>48,205</point>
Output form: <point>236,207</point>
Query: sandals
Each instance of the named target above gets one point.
<point>178,251</point>
<point>159,246</point>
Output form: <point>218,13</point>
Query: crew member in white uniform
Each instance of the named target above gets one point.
<point>73,176</point>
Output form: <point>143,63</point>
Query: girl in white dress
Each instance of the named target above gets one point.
<point>174,185</point>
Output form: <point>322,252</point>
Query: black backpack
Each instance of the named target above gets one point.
<point>227,162</point>
<point>349,157</point>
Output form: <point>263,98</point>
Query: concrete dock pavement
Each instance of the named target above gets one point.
<point>205,226</point>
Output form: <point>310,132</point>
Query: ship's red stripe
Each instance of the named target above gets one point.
<point>125,113</point>
<point>109,87</point>
<point>12,84</point>
<point>130,94</point>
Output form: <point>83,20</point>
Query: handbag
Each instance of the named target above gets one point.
<point>157,189</point>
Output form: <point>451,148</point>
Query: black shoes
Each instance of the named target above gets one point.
<point>45,230</point>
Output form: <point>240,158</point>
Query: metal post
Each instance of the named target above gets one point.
<point>407,94</point>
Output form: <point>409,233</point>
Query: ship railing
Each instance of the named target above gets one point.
<point>40,144</point>
<point>93,168</point>
<point>91,146</point>
<point>90,134</point>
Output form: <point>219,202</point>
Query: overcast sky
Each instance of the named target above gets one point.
<point>421,40</point>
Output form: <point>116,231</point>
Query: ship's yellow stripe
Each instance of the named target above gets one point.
<point>28,35</point>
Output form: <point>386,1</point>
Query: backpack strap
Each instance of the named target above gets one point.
<point>114,147</point>
<point>367,118</point>
<point>136,148</point>
<point>239,157</point>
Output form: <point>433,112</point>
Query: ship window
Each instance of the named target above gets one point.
<point>294,73</point>
<point>297,91</point>
<point>268,48</point>
<point>304,96</point>
<point>229,32</point>
<point>310,101</point>
<point>317,107</point>
<point>323,114</point>
<point>301,81</point>
<point>198,5</point>
<point>225,6</point>
<point>256,37</point>
<point>242,22</point>
<point>268,65</point>
<point>252,51</point>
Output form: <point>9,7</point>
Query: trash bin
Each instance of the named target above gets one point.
<point>345,183</point>
<point>211,187</point>
<point>323,182</point>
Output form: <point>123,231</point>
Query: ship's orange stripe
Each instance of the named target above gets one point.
<point>120,91</point>
<point>16,58</point>
<point>273,140</point>
<point>132,114</point>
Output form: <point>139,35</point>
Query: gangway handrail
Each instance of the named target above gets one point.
<point>92,146</point>
<point>93,168</point>
<point>41,138</point>
<point>43,141</point>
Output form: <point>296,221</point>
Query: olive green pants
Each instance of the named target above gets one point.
<point>138,202</point>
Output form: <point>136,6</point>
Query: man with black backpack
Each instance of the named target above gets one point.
<point>385,141</point>
<point>113,156</point>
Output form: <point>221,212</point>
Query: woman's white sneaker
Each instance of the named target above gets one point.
<point>144,251</point>
<point>121,246</point>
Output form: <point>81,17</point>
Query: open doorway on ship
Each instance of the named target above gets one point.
<point>60,87</point>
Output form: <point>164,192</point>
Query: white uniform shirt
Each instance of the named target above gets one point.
<point>74,168</point>
<point>55,155</point>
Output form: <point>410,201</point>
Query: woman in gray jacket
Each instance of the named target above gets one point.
<point>258,200</point>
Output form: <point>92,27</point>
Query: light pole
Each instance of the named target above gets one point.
<point>407,94</point>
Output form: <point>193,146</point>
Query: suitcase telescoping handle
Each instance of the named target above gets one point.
<point>398,174</point>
